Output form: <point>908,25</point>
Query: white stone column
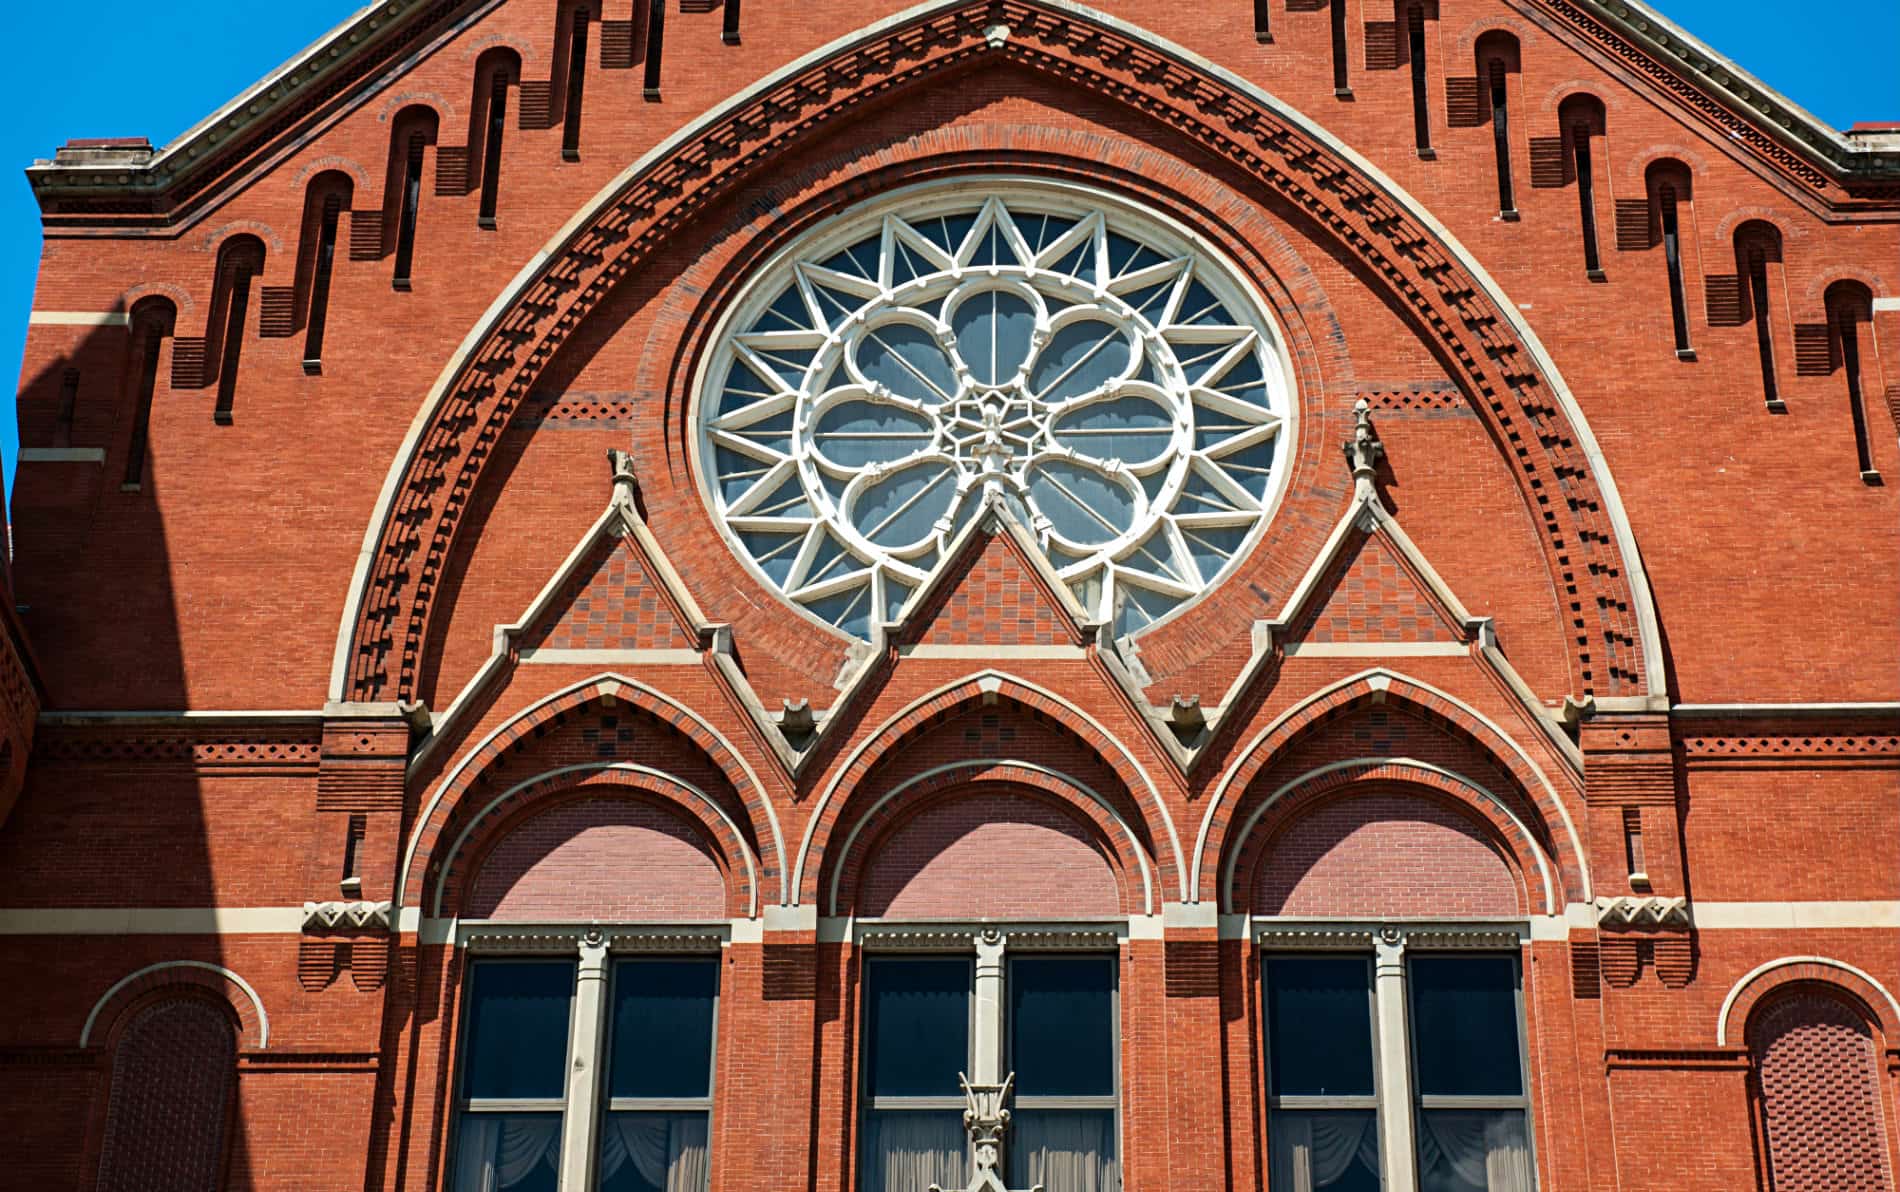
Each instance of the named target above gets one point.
<point>584,1088</point>
<point>987,1049</point>
<point>1396,1151</point>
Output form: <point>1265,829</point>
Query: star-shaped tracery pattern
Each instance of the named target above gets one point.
<point>1086,361</point>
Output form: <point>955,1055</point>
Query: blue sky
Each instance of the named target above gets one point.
<point>141,69</point>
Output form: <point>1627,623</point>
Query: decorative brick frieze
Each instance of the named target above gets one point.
<point>216,746</point>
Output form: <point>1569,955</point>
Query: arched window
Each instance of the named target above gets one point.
<point>1758,264</point>
<point>327,197</point>
<point>239,262</point>
<point>1818,1085</point>
<point>410,135</point>
<point>168,1116</point>
<point>1497,60</point>
<point>1581,120</point>
<point>1669,189</point>
<point>488,115</point>
<point>1850,311</point>
<point>153,320</point>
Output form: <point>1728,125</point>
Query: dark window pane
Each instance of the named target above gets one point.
<point>516,1151</point>
<point>1473,1150</point>
<point>1464,1025</point>
<point>663,1028</point>
<point>1062,1025</point>
<point>653,1152</point>
<point>517,1029</point>
<point>1319,1026</point>
<point>917,1017</point>
<point>909,1150</point>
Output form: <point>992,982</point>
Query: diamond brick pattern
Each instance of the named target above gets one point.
<point>1820,1096</point>
<point>996,602</point>
<point>612,604</point>
<point>172,1075</point>
<point>1369,596</point>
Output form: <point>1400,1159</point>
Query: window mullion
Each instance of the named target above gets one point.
<point>987,1039</point>
<point>1395,1076</point>
<point>578,1151</point>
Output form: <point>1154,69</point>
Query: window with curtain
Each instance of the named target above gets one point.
<point>514,1129</point>
<point>514,1064</point>
<point>658,1110</point>
<point>1468,1074</point>
<point>1060,1026</point>
<point>1461,1081</point>
<point>1322,1089</point>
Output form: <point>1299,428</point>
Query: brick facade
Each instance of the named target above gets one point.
<point>338,658</point>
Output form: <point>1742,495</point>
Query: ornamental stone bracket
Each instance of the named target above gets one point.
<point>986,1120</point>
<point>347,917</point>
<point>1631,912</point>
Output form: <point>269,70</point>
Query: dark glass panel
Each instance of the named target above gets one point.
<point>518,1152</point>
<point>653,1152</point>
<point>1335,1150</point>
<point>1062,1025</point>
<point>1464,1026</point>
<point>917,1018</point>
<point>663,1027</point>
<point>1063,1150</point>
<point>1319,1026</point>
<point>517,1029</point>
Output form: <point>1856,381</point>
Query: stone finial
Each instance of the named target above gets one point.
<point>625,479</point>
<point>986,1119</point>
<point>1365,450</point>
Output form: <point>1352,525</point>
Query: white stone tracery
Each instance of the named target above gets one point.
<point>1095,366</point>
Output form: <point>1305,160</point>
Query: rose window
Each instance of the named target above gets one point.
<point>1094,367</point>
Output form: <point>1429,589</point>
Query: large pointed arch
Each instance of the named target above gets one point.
<point>1530,413</point>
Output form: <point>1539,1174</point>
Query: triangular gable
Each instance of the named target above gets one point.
<point>1371,595</point>
<point>991,592</point>
<point>612,601</point>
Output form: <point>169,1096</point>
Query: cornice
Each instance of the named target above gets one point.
<point>134,183</point>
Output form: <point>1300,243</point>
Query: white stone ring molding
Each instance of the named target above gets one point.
<point>1094,364</point>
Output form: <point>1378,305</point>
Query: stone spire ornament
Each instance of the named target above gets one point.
<point>986,1120</point>
<point>1365,450</point>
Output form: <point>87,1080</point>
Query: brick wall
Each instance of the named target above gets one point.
<point>1820,1095</point>
<point>599,858</point>
<point>167,1120</point>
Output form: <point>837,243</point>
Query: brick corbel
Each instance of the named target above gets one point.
<point>361,781</point>
<point>1644,919</point>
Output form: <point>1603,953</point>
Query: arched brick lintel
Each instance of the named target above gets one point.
<point>976,690</point>
<point>1235,795</point>
<point>1765,980</point>
<point>1517,390</point>
<point>220,982</point>
<point>503,814</point>
<point>452,794</point>
<point>910,798</point>
<point>1530,868</point>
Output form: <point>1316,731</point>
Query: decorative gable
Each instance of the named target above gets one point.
<point>991,596</point>
<point>1370,594</point>
<point>611,602</point>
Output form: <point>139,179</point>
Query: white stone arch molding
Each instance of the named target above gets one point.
<point>1553,904</point>
<point>257,1003</point>
<point>1140,387</point>
<point>1759,971</point>
<point>882,731</point>
<point>474,750</point>
<point>1630,556</point>
<point>1134,841</point>
<point>588,769</point>
<point>1369,678</point>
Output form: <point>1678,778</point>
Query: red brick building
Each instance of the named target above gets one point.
<point>615,595</point>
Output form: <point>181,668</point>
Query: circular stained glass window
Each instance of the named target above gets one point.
<point>1087,362</point>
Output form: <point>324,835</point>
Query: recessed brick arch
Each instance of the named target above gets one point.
<point>1238,793</point>
<point>1293,805</point>
<point>1767,980</point>
<point>212,980</point>
<point>1480,335</point>
<point>478,834</point>
<point>459,796</point>
<point>901,806</point>
<point>846,793</point>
